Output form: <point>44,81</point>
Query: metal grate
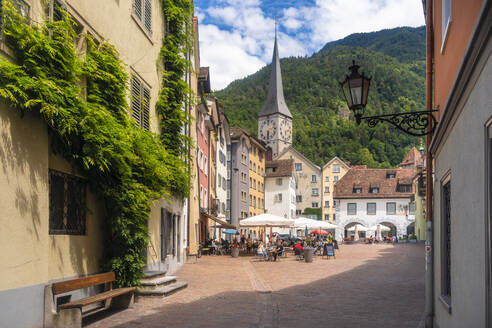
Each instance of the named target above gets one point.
<point>148,16</point>
<point>137,8</point>
<point>67,204</point>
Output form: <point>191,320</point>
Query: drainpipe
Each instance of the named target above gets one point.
<point>429,252</point>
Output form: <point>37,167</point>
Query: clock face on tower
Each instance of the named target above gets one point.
<point>268,129</point>
<point>285,131</point>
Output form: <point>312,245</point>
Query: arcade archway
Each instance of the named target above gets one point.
<point>392,232</point>
<point>350,234</point>
<point>411,229</point>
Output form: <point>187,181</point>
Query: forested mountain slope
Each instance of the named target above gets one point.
<point>395,59</point>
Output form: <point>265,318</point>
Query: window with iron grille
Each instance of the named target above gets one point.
<point>446,241</point>
<point>142,11</point>
<point>22,7</point>
<point>55,10</point>
<point>371,208</point>
<point>67,204</point>
<point>140,103</point>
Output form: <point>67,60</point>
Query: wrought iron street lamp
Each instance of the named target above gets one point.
<point>356,89</point>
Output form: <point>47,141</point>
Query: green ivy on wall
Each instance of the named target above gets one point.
<point>127,166</point>
<point>175,91</point>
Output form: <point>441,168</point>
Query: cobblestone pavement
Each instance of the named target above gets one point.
<point>365,286</point>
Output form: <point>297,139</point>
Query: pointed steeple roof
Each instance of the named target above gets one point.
<point>275,102</point>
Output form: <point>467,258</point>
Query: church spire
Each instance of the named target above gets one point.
<point>275,102</point>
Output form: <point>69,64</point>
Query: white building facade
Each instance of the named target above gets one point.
<point>222,173</point>
<point>375,196</point>
<point>392,212</point>
<point>280,189</point>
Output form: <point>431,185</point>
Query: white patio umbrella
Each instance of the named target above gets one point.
<point>379,226</point>
<point>359,227</point>
<point>378,233</point>
<point>356,229</point>
<point>266,220</point>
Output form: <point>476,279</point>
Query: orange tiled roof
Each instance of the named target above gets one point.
<point>413,158</point>
<point>283,168</point>
<point>374,178</point>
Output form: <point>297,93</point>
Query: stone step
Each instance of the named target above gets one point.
<point>155,283</point>
<point>153,274</point>
<point>163,291</point>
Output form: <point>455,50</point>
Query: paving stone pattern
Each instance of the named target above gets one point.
<point>365,286</point>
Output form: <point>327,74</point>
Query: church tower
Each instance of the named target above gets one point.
<point>275,119</point>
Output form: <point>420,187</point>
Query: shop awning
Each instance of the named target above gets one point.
<point>221,222</point>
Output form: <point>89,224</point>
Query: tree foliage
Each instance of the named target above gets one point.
<point>128,167</point>
<point>312,91</point>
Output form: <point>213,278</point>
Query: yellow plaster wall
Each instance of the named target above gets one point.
<point>328,172</point>
<point>194,202</point>
<point>138,51</point>
<point>258,177</point>
<point>24,199</point>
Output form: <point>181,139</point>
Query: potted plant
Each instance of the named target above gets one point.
<point>413,238</point>
<point>235,249</point>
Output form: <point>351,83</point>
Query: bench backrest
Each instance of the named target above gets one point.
<point>74,284</point>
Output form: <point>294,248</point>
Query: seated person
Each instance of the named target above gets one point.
<point>262,251</point>
<point>278,250</point>
<point>298,249</point>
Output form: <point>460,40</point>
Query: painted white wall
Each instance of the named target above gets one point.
<point>221,173</point>
<point>401,220</point>
<point>287,207</point>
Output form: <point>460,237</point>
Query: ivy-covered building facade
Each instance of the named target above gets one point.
<point>93,135</point>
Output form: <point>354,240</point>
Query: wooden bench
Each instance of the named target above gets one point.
<point>70,314</point>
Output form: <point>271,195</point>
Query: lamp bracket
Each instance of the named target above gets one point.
<point>413,123</point>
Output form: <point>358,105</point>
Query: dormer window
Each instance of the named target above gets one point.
<point>404,188</point>
<point>390,175</point>
<point>357,191</point>
<point>374,190</point>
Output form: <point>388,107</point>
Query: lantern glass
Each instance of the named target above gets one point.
<point>346,92</point>
<point>356,91</point>
<point>365,92</point>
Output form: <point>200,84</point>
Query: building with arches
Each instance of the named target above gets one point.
<point>375,196</point>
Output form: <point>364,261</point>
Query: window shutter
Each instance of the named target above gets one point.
<point>136,100</point>
<point>58,8</point>
<point>146,108</point>
<point>137,8</point>
<point>148,16</point>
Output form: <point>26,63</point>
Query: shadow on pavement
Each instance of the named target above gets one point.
<point>386,291</point>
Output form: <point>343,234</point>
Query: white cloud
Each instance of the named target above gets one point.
<point>333,20</point>
<point>227,56</point>
<point>244,41</point>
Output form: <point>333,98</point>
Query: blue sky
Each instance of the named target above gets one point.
<point>236,36</point>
